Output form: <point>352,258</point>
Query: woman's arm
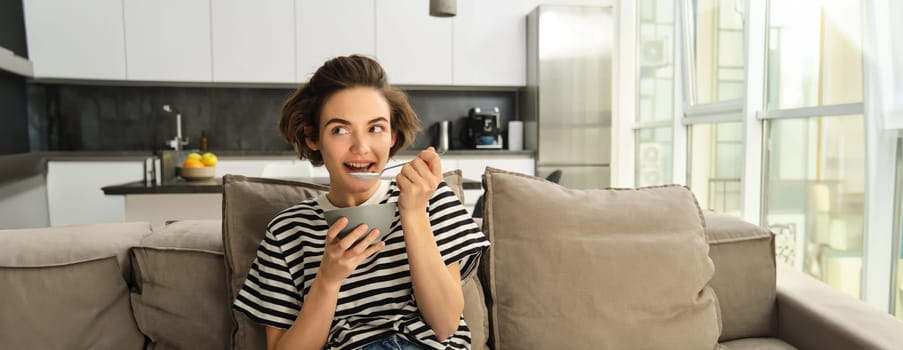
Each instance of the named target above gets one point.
<point>311,328</point>
<point>437,287</point>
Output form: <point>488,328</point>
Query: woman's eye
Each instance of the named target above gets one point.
<point>377,128</point>
<point>339,130</point>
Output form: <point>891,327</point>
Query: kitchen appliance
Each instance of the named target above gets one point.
<point>483,129</point>
<point>567,103</point>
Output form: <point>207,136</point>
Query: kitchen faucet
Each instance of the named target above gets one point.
<point>177,142</point>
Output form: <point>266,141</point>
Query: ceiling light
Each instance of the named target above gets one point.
<point>443,8</point>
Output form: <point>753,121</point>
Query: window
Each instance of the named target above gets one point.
<point>654,163</point>
<point>715,51</point>
<point>814,54</point>
<point>888,55</point>
<point>815,134</point>
<point>716,165</point>
<point>815,196</point>
<point>655,93</point>
<point>713,102</point>
<point>897,289</point>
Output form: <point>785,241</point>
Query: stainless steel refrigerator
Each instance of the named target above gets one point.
<point>567,102</point>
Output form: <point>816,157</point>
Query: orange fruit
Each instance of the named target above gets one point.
<point>192,163</point>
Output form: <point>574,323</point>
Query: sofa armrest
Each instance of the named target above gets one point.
<point>812,315</point>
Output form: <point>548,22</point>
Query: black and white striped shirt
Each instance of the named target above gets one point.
<point>377,299</point>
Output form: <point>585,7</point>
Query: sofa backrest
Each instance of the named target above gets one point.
<point>66,287</point>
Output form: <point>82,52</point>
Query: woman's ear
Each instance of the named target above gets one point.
<point>308,140</point>
<point>394,137</point>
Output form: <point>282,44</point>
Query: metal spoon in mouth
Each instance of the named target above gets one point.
<point>372,175</point>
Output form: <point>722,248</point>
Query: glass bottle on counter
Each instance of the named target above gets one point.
<point>202,145</point>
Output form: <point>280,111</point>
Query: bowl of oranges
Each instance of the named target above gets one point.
<point>198,167</point>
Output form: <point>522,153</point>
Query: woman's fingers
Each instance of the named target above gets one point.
<point>372,249</point>
<point>336,227</point>
<point>349,239</point>
<point>359,247</point>
<point>432,160</point>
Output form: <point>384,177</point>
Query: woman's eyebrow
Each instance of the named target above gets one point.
<point>378,119</point>
<point>337,120</point>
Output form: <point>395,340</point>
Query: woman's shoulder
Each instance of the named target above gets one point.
<point>305,214</point>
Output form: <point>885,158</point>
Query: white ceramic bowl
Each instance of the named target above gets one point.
<point>197,174</point>
<point>376,216</point>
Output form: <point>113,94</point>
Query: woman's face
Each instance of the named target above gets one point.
<point>355,136</point>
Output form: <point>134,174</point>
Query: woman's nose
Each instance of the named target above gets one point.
<point>360,145</point>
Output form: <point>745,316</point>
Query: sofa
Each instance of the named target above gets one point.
<point>577,269</point>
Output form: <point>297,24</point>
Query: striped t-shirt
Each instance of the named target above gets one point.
<point>377,299</point>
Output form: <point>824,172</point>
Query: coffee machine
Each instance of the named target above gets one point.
<point>483,129</point>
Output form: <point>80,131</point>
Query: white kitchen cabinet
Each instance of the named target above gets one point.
<point>326,29</point>
<point>168,40</point>
<point>253,40</point>
<point>75,39</point>
<point>413,47</point>
<point>74,192</point>
<point>490,43</point>
<point>472,167</point>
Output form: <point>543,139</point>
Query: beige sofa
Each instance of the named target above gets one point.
<point>125,286</point>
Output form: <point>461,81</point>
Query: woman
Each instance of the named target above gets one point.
<point>313,290</point>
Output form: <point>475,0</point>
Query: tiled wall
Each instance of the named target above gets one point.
<point>13,132</point>
<point>100,118</point>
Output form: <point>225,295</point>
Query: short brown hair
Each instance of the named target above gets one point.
<point>301,112</point>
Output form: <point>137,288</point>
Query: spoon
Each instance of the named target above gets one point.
<point>372,175</point>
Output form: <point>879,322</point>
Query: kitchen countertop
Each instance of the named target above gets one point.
<point>180,186</point>
<point>23,165</point>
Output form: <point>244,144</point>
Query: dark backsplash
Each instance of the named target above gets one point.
<point>115,118</point>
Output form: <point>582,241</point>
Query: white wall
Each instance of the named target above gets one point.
<point>23,203</point>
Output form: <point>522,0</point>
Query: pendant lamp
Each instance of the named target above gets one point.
<point>443,8</point>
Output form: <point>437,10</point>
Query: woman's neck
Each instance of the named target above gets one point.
<point>342,198</point>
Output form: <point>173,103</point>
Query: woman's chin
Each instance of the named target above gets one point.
<point>360,185</point>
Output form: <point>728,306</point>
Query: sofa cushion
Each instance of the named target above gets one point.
<point>581,269</point>
<point>180,300</point>
<point>757,344</point>
<point>190,234</point>
<point>744,279</point>
<point>65,244</point>
<point>248,205</point>
<point>75,305</point>
<point>475,314</point>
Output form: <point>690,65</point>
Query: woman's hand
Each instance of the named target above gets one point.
<point>341,256</point>
<point>418,180</point>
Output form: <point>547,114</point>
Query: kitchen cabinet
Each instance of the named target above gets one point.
<point>253,40</point>
<point>320,36</point>
<point>74,193</point>
<point>168,40</point>
<point>414,48</point>
<point>279,41</point>
<point>473,167</point>
<point>158,209</point>
<point>75,39</point>
<point>490,43</point>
